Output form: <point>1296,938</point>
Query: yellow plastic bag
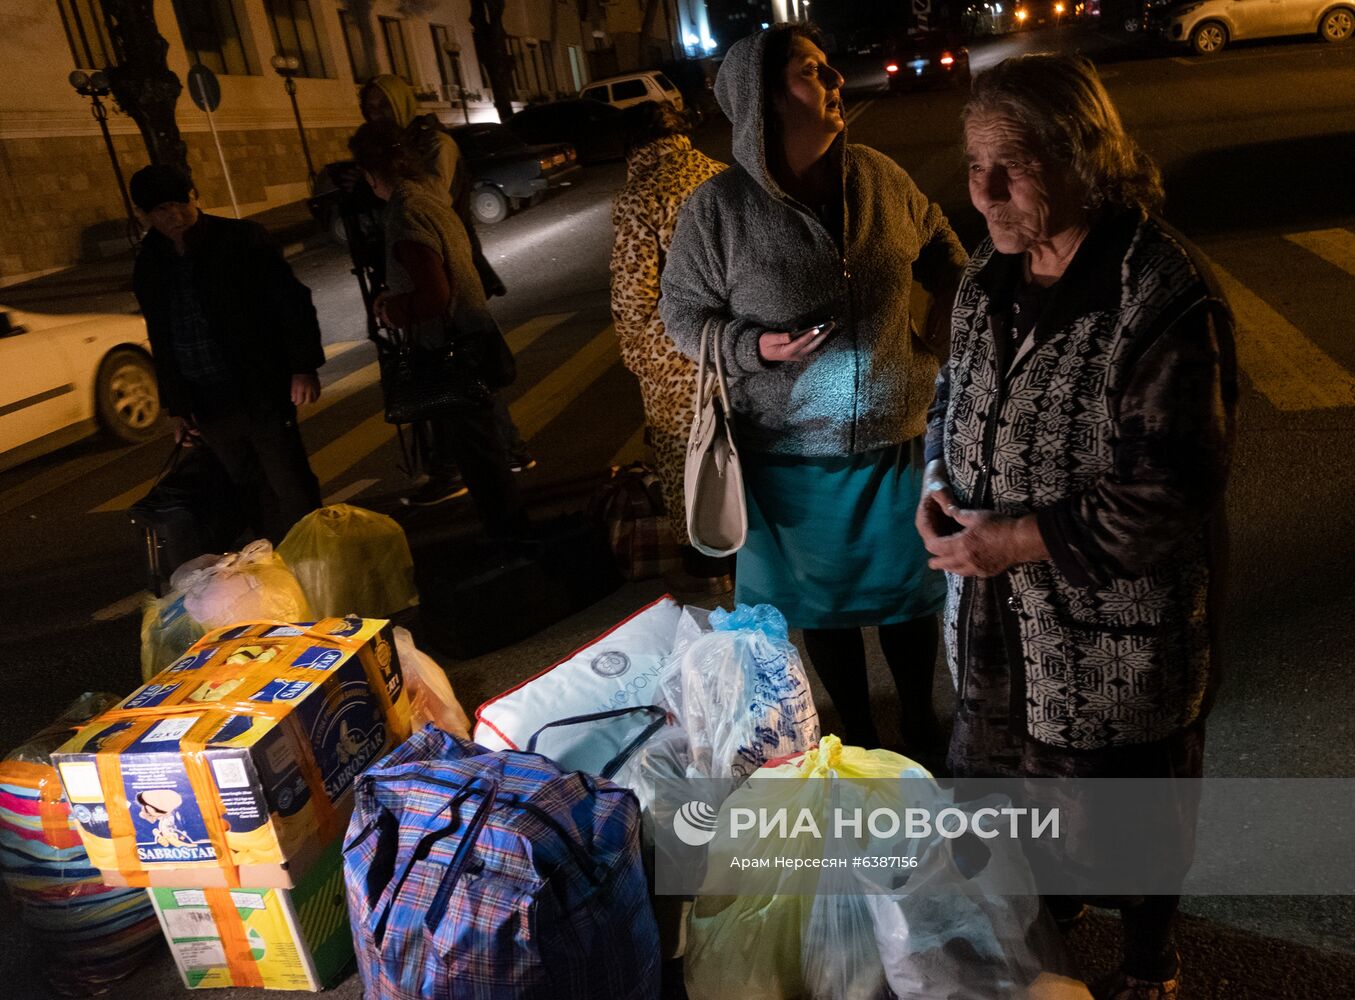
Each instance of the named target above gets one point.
<point>351,561</point>
<point>754,946</point>
<point>253,584</point>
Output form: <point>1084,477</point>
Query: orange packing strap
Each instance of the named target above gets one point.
<point>192,746</point>
<point>230,928</point>
<point>53,812</point>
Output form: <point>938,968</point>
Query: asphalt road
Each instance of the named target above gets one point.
<point>1256,146</point>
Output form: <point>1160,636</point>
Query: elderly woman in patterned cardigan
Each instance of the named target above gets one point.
<point>662,171</point>
<point>1078,449</point>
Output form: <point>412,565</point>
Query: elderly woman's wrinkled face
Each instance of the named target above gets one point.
<point>810,104</point>
<point>1026,201</point>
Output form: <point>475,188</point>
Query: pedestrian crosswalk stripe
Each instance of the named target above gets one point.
<point>351,447</point>
<point>1284,365</point>
<point>546,400</point>
<point>349,491</point>
<point>522,337</point>
<point>633,450</point>
<point>1335,246</point>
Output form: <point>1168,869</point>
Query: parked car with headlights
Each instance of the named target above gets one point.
<point>507,173</point>
<point>927,58</point>
<point>64,377</point>
<point>592,128</point>
<point>1208,26</point>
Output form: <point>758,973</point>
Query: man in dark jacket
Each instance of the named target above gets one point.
<point>236,345</point>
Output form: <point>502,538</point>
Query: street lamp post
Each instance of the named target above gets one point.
<point>287,67</point>
<point>95,86</point>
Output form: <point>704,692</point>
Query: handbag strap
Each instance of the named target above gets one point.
<point>711,385</point>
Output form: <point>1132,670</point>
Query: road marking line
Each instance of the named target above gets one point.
<point>1284,365</point>
<point>1335,246</point>
<point>350,448</point>
<point>57,477</point>
<point>332,351</point>
<point>633,450</point>
<point>1183,61</point>
<point>349,491</point>
<point>858,109</point>
<point>521,337</point>
<point>546,400</point>
<point>120,609</point>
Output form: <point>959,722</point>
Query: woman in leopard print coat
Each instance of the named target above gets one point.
<point>662,171</point>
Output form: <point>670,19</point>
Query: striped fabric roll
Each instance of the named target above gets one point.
<point>82,933</point>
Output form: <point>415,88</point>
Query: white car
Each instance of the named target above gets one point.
<point>1209,25</point>
<point>63,377</point>
<point>634,88</point>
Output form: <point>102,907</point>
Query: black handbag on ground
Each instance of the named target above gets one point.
<point>420,384</point>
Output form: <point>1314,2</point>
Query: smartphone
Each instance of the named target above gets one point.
<point>819,330</point>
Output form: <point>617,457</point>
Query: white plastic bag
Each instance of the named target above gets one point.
<point>741,693</point>
<point>431,698</point>
<point>253,584</point>
<point>351,561</point>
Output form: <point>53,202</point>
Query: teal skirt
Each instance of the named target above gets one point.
<point>831,541</point>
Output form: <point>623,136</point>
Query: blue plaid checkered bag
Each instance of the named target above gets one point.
<point>474,875</point>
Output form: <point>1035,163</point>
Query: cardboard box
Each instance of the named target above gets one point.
<point>232,767</point>
<point>280,939</point>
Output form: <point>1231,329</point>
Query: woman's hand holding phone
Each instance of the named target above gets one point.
<point>793,346</point>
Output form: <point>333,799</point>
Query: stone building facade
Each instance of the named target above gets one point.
<point>59,201</point>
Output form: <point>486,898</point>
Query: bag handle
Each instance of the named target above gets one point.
<point>660,719</point>
<point>385,900</point>
<point>711,386</point>
<point>438,907</point>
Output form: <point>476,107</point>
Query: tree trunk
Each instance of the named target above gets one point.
<point>491,46</point>
<point>142,82</point>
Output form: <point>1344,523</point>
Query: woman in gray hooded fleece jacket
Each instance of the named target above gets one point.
<point>809,230</point>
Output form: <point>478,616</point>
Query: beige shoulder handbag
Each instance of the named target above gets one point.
<point>717,511</point>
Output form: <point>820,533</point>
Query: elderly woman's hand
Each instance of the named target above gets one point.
<point>792,346</point>
<point>931,519</point>
<point>987,544</point>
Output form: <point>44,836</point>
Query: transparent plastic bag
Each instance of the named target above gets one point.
<point>741,693</point>
<point>967,923</point>
<point>351,561</point>
<point>774,942</point>
<point>253,584</point>
<point>167,629</point>
<point>431,698</point>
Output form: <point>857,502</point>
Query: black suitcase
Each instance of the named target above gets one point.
<point>192,509</point>
<point>478,597</point>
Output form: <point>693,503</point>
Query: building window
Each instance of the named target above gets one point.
<point>352,42</point>
<point>87,33</point>
<point>211,34</point>
<point>394,36</point>
<point>294,35</point>
<point>449,62</point>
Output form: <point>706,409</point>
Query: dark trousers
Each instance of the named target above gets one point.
<point>508,431</point>
<point>261,448</point>
<point>473,443</point>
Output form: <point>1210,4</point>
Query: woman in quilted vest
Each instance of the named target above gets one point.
<point>662,171</point>
<point>804,255</point>
<point>1078,450</point>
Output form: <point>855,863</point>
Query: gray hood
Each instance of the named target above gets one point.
<point>738,89</point>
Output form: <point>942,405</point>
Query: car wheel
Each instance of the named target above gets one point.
<point>1208,38</point>
<point>1132,25</point>
<point>488,205</point>
<point>1337,26</point>
<point>126,398</point>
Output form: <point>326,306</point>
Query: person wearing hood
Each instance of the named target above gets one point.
<point>811,233</point>
<point>662,170</point>
<point>388,98</point>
